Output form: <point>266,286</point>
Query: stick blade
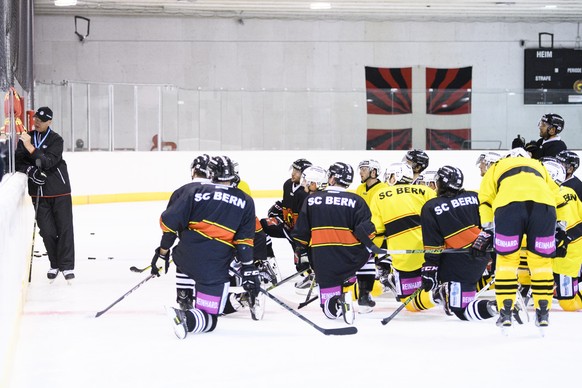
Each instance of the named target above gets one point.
<point>349,330</point>
<point>134,269</point>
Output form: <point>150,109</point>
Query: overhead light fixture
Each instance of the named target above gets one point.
<point>65,3</point>
<point>320,5</point>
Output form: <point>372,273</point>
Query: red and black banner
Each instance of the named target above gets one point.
<point>388,90</point>
<point>448,139</point>
<point>389,139</point>
<point>448,91</point>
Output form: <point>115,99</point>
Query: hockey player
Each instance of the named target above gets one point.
<point>418,161</point>
<point>517,196</point>
<point>371,184</point>
<point>283,214</point>
<point>212,221</point>
<point>484,161</point>
<point>335,225</point>
<point>396,217</point>
<point>571,161</point>
<point>313,179</point>
<point>550,143</point>
<point>567,269</point>
<point>184,284</point>
<point>428,178</point>
<point>370,178</point>
<point>451,221</point>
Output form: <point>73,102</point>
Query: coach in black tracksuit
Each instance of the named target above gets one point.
<point>39,154</point>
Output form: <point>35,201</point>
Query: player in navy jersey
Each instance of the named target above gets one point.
<point>335,225</point>
<point>214,222</point>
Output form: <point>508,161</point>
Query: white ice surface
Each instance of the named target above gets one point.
<point>62,344</point>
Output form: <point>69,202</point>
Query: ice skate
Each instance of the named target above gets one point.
<point>69,276</point>
<point>52,274</point>
<point>441,297</point>
<point>365,303</point>
<point>346,305</point>
<point>178,318</point>
<point>542,317</point>
<point>257,306</point>
<point>505,315</point>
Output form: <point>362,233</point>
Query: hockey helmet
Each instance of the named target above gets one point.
<point>428,178</point>
<point>402,173</point>
<point>418,159</point>
<point>301,164</point>
<point>221,169</point>
<point>489,158</point>
<point>555,169</point>
<point>449,178</point>
<point>200,165</point>
<point>371,164</point>
<point>342,172</point>
<point>553,120</point>
<point>569,159</point>
<point>314,174</point>
<point>514,153</point>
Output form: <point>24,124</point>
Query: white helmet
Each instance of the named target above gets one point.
<point>555,169</point>
<point>427,177</point>
<point>517,152</point>
<point>489,158</point>
<point>402,173</point>
<point>371,164</point>
<point>314,174</point>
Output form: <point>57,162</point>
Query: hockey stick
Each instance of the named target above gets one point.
<point>99,313</point>
<point>485,287</point>
<point>284,280</point>
<point>308,298</point>
<point>410,251</point>
<point>337,331</point>
<point>38,165</point>
<point>139,270</point>
<point>399,309</point>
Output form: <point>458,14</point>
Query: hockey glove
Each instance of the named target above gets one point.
<point>166,258</point>
<point>562,239</point>
<point>531,147</point>
<point>276,210</point>
<point>36,175</point>
<point>250,279</point>
<point>301,260</point>
<point>518,142</point>
<point>428,274</point>
<point>482,243</point>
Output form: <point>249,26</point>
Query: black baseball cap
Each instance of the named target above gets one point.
<point>44,113</point>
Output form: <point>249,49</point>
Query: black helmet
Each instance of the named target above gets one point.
<point>221,169</point>
<point>569,159</point>
<point>200,165</point>
<point>342,172</point>
<point>301,164</point>
<point>449,179</point>
<point>553,120</point>
<point>419,160</point>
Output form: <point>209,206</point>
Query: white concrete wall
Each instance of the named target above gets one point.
<point>16,222</point>
<point>254,78</point>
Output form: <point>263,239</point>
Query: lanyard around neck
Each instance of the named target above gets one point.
<point>38,135</point>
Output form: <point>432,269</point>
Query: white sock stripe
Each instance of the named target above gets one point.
<point>199,321</point>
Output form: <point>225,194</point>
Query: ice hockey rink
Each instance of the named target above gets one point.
<point>62,344</point>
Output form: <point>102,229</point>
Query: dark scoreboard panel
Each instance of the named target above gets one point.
<point>553,76</point>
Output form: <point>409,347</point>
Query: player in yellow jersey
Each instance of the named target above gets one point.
<point>567,268</point>
<point>370,177</point>
<point>371,184</point>
<point>396,217</point>
<point>517,196</point>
